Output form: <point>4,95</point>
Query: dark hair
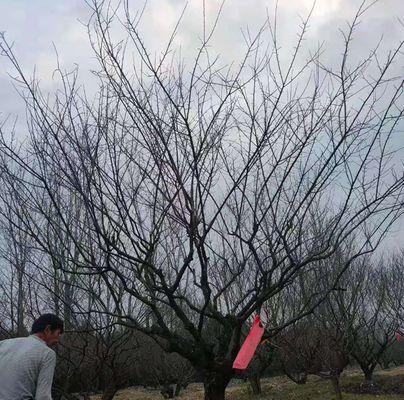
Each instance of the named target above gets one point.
<point>45,320</point>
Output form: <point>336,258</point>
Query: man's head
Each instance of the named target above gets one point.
<point>48,327</point>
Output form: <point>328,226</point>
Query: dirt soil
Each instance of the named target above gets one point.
<point>389,386</point>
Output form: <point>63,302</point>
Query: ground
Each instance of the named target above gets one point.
<point>281,388</point>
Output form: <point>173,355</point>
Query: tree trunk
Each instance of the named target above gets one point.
<point>368,382</point>
<point>108,382</point>
<point>385,364</point>
<point>255,383</point>
<point>167,391</point>
<point>20,302</point>
<point>109,391</point>
<point>67,301</point>
<point>369,377</point>
<point>66,384</point>
<point>55,293</point>
<point>336,386</point>
<point>178,388</point>
<point>299,378</point>
<point>216,381</point>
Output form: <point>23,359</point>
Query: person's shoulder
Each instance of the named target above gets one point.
<point>14,341</point>
<point>36,345</point>
<point>42,345</point>
<point>45,353</point>
<point>19,344</point>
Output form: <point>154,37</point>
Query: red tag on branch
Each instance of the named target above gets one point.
<point>250,344</point>
<point>399,336</point>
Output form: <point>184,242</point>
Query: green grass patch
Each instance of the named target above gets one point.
<point>281,388</point>
<point>319,389</point>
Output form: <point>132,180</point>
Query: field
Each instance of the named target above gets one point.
<point>391,387</point>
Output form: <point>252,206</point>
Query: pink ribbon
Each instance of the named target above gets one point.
<point>250,344</point>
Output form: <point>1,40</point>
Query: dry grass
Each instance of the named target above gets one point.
<point>279,388</point>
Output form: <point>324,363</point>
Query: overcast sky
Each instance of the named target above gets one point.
<point>36,26</point>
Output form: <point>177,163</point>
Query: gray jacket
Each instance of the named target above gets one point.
<point>27,366</point>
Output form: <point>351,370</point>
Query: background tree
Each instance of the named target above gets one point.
<point>15,253</point>
<point>376,324</point>
<point>357,314</point>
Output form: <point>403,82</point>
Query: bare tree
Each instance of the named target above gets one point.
<point>396,286</point>
<point>376,323</point>
<point>196,181</point>
<point>169,371</point>
<point>308,348</point>
<point>356,319</point>
<point>315,345</point>
<point>15,251</point>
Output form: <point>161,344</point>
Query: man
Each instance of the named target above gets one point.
<point>27,364</point>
